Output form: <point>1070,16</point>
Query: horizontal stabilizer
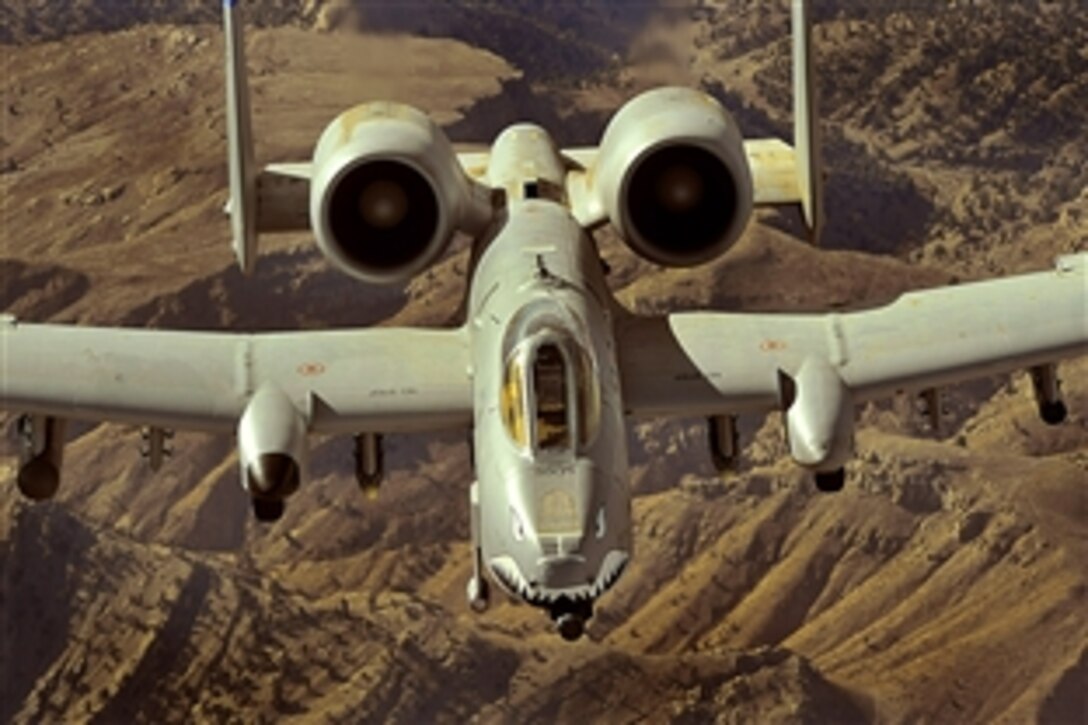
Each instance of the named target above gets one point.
<point>283,198</point>
<point>775,166</point>
<point>774,171</point>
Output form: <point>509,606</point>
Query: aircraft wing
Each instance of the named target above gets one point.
<point>697,363</point>
<point>375,380</point>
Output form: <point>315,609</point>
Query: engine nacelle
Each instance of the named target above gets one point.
<point>387,192</point>
<point>41,453</point>
<point>673,178</point>
<point>271,450</point>
<point>819,416</point>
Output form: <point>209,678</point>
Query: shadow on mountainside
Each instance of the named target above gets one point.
<point>520,101</point>
<point>37,292</point>
<point>290,290</point>
<point>41,573</point>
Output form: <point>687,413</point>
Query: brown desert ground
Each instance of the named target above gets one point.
<point>946,583</point>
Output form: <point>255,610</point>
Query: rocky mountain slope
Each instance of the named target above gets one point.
<point>945,584</point>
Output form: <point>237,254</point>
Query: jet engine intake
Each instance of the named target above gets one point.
<point>672,177</point>
<point>388,193</point>
<point>271,450</point>
<point>41,452</point>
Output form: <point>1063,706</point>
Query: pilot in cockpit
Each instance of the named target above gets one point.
<point>550,398</point>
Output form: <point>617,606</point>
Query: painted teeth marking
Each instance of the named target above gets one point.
<point>510,575</point>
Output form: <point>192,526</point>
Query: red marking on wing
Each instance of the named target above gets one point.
<point>311,369</point>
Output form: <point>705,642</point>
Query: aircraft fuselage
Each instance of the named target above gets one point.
<point>550,442</point>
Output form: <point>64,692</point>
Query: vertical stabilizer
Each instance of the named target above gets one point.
<point>806,134</point>
<point>243,173</point>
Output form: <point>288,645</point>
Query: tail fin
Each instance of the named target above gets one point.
<point>806,134</point>
<point>243,171</point>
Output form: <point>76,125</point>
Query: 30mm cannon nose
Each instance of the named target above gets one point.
<point>570,617</point>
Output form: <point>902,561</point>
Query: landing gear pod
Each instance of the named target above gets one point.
<point>819,421</point>
<point>40,456</point>
<point>830,481</point>
<point>271,451</point>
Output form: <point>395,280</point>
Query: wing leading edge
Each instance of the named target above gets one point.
<point>382,380</point>
<point>699,363</point>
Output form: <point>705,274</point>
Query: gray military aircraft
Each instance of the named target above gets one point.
<point>547,367</point>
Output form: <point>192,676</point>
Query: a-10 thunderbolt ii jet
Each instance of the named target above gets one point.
<point>547,367</point>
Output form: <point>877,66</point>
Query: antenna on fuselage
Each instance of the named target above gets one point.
<point>806,132</point>
<point>541,268</point>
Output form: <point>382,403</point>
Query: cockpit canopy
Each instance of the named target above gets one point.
<point>550,395</point>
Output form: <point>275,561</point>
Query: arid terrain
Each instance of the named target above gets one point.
<point>946,583</point>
